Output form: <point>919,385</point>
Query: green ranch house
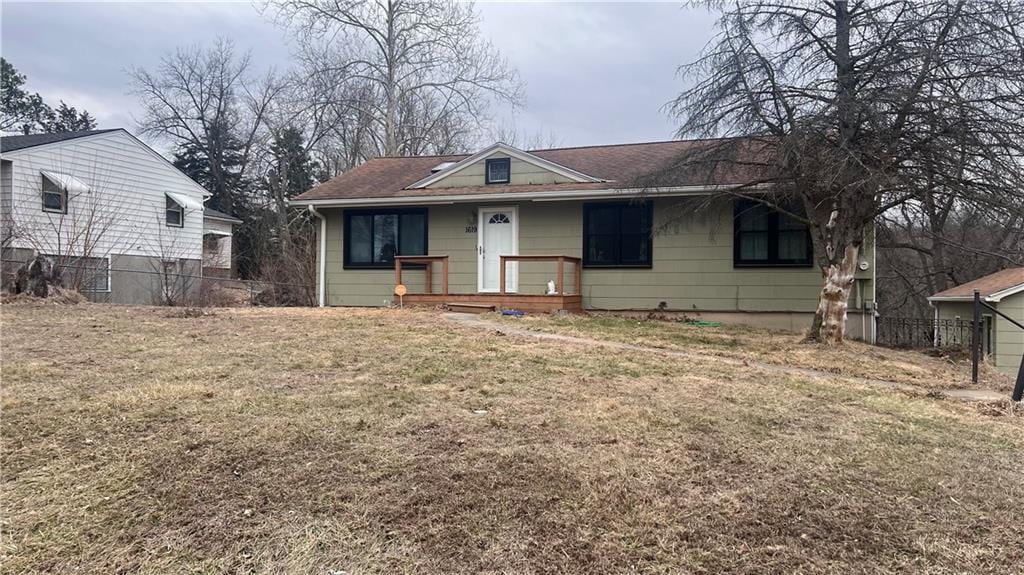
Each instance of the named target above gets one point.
<point>566,228</point>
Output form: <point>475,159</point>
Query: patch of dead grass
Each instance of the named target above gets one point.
<point>386,441</point>
<point>853,358</point>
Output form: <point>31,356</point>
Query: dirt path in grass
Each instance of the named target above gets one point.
<point>475,321</point>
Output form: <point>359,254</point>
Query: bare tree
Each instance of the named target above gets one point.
<point>173,265</point>
<point>418,71</point>
<point>853,109</point>
<point>936,243</point>
<point>205,99</point>
<point>538,140</point>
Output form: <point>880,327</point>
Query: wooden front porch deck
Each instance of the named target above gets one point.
<point>529,303</point>
<point>503,300</point>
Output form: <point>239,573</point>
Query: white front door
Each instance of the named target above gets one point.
<point>498,235</point>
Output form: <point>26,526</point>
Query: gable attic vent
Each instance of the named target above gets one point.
<point>441,166</point>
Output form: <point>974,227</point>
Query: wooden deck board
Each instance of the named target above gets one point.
<point>522,302</point>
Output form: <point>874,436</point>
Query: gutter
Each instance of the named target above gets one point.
<point>322,259</point>
<point>229,220</point>
<point>959,298</point>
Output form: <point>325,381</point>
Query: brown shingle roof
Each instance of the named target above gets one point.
<point>621,165</point>
<point>988,285</point>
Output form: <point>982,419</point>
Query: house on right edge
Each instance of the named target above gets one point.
<point>567,228</point>
<point>1003,290</point>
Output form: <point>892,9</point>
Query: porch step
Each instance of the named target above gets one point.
<point>464,307</point>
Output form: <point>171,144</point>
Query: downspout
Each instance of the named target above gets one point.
<point>322,259</point>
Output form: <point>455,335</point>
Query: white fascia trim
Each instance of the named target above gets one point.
<point>513,152</point>
<point>523,196</point>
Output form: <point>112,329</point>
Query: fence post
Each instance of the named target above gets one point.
<point>975,336</point>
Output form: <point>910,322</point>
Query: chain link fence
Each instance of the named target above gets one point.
<point>170,283</point>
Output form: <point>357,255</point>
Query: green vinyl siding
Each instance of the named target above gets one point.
<point>692,267</point>
<point>1009,339</point>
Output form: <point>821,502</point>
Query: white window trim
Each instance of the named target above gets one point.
<point>180,210</point>
<point>61,191</point>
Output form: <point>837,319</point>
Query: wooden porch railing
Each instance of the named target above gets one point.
<point>428,280</point>
<point>559,259</point>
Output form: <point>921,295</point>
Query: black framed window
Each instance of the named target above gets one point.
<point>499,170</point>
<point>764,237</point>
<point>374,237</point>
<point>617,235</point>
<point>55,198</point>
<point>174,215</point>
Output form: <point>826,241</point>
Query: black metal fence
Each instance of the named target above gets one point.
<point>916,332</point>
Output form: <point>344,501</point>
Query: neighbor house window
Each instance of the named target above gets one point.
<point>374,237</point>
<point>55,198</point>
<point>617,235</point>
<point>85,274</point>
<point>766,237</point>
<point>175,213</point>
<point>499,170</point>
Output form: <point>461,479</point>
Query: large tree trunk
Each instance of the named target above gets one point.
<point>830,320</point>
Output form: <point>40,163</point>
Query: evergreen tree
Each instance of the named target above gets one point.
<point>220,155</point>
<point>293,169</point>
<point>67,119</point>
<point>29,114</point>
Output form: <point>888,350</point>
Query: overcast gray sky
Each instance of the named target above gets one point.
<point>595,73</point>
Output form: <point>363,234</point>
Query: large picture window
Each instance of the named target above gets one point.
<point>374,237</point>
<point>764,237</point>
<point>617,235</point>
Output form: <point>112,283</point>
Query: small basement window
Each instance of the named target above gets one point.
<point>85,274</point>
<point>55,198</point>
<point>766,238</point>
<point>499,170</point>
<point>175,213</point>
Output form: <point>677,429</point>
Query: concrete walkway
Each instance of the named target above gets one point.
<point>478,322</point>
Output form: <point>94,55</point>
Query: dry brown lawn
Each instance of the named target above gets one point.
<point>949,370</point>
<point>139,440</point>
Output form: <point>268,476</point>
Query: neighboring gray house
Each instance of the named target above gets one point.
<point>127,226</point>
